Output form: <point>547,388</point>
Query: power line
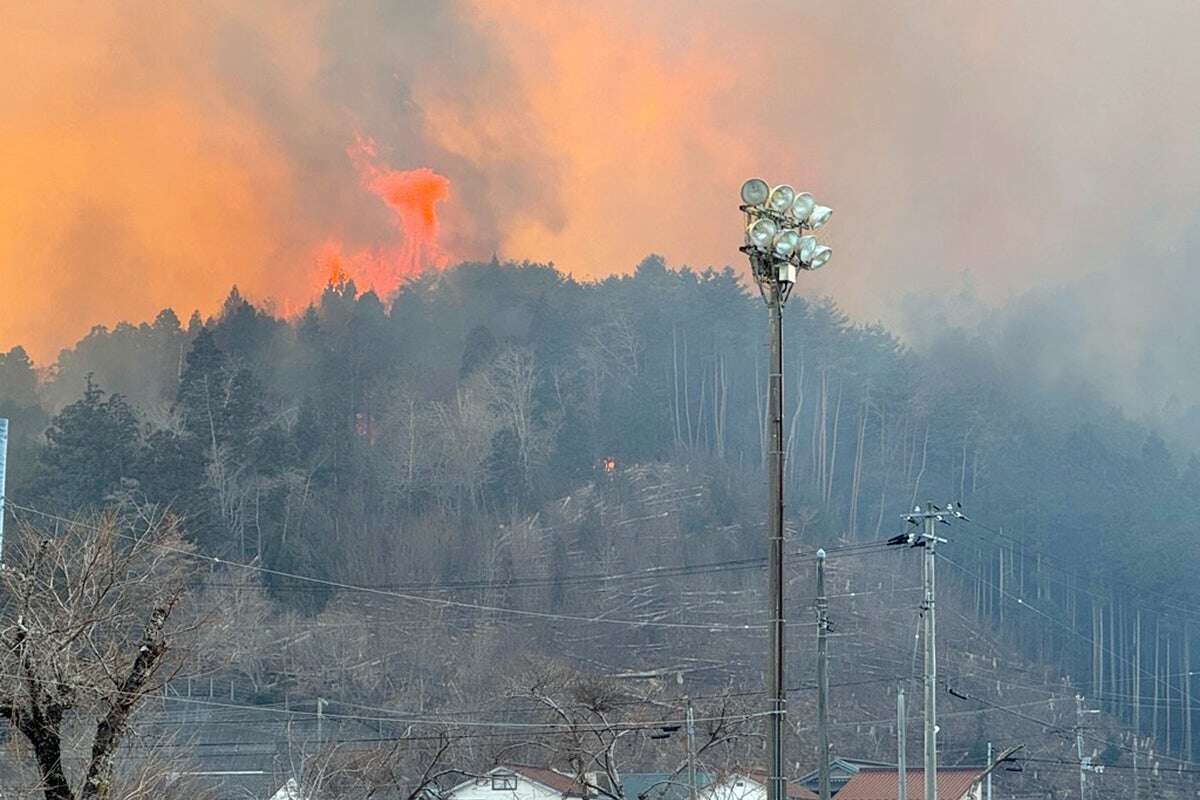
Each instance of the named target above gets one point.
<point>433,601</point>
<point>1066,569</point>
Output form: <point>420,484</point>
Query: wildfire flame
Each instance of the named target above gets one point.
<point>412,196</point>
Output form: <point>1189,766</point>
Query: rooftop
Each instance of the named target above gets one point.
<point>880,784</point>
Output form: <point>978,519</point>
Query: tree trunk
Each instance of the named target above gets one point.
<point>1167,694</point>
<point>1187,692</point>
<point>112,726</point>
<point>833,448</point>
<point>856,477</point>
<point>43,732</point>
<point>1157,648</point>
<point>687,403</point>
<point>1137,696</point>
<point>675,382</point>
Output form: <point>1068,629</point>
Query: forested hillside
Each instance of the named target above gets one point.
<point>499,442</point>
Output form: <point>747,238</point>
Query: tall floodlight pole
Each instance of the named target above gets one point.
<point>776,219</point>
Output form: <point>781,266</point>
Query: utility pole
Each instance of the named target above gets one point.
<point>822,678</point>
<point>3,470</point>
<point>1085,762</point>
<point>1079,744</point>
<point>691,750</point>
<point>926,519</point>
<point>989,775</point>
<point>901,747</point>
<point>930,658</point>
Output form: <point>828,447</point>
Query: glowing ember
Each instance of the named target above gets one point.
<point>412,196</point>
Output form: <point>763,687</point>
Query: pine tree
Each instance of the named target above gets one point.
<point>90,447</point>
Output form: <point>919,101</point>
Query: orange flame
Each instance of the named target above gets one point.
<point>412,196</point>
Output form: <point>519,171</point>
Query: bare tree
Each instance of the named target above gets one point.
<point>88,628</point>
<point>411,766</point>
<point>598,723</point>
<point>510,383</point>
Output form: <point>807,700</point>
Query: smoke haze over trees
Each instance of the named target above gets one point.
<point>450,444</point>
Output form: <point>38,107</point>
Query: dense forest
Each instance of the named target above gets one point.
<point>503,433</point>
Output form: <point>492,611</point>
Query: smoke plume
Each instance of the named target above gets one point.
<point>152,155</point>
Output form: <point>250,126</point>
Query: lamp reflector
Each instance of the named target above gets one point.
<point>802,206</point>
<point>761,232</point>
<point>755,192</point>
<point>785,243</point>
<point>805,248</point>
<point>819,216</point>
<point>820,256</point>
<point>781,198</point>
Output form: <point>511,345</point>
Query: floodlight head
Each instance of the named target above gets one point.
<point>819,216</point>
<point>761,233</point>
<point>785,243</point>
<point>805,248</point>
<point>802,206</point>
<point>820,256</point>
<point>755,192</point>
<point>780,200</point>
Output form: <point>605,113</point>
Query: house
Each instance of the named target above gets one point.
<point>517,782</point>
<point>841,770</point>
<point>289,791</point>
<point>658,785</point>
<point>750,786</point>
<point>881,784</point>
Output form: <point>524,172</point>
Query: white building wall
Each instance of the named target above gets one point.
<point>481,789</point>
<point>735,787</point>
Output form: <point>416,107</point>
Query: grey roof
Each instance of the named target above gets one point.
<point>841,770</point>
<point>661,785</point>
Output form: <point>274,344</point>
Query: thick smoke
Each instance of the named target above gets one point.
<point>153,155</point>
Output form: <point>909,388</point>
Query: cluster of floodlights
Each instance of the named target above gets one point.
<point>775,219</point>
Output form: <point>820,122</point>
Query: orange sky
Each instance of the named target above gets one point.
<point>153,155</point>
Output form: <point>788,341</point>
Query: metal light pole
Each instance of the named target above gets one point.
<point>775,219</point>
<point>777,788</point>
